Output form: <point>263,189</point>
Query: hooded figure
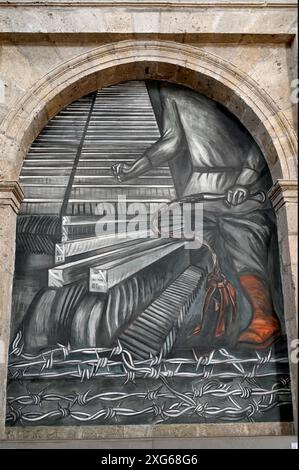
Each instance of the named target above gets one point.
<point>209,151</point>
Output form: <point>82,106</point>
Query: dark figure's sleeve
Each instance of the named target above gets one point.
<point>172,134</point>
<point>252,166</point>
<point>255,160</point>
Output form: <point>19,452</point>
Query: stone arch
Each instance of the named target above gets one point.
<point>164,60</point>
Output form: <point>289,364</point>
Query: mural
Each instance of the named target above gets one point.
<point>147,284</point>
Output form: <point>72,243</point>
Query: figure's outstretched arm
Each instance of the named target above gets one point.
<point>124,171</point>
<point>161,151</point>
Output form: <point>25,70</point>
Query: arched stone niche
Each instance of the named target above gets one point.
<point>161,60</point>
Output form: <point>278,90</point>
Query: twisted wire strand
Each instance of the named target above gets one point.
<point>107,414</point>
<point>101,362</point>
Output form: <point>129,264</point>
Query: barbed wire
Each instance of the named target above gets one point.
<point>211,388</point>
<point>204,411</point>
<point>188,405</point>
<point>17,351</point>
<point>87,363</point>
<point>211,396</point>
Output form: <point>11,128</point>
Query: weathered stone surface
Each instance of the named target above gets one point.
<point>176,16</point>
<point>192,66</point>
<point>10,196</point>
<point>127,432</point>
<point>243,56</point>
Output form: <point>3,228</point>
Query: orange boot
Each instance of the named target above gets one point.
<point>264,327</point>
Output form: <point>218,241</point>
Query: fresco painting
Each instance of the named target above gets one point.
<point>147,283</point>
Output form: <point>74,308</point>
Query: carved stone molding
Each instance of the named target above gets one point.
<point>284,192</point>
<point>120,61</point>
<point>11,194</point>
<point>182,4</point>
<point>150,431</point>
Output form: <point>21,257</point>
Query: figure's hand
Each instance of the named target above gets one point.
<point>236,195</point>
<point>118,172</point>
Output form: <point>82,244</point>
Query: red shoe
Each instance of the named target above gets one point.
<point>264,327</point>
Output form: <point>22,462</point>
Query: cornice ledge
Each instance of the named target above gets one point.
<point>11,194</point>
<point>283,192</point>
<point>177,4</point>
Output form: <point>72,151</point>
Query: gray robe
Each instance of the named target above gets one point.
<point>207,148</point>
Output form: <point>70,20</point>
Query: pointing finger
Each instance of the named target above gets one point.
<point>229,196</point>
<point>235,197</point>
<point>241,197</point>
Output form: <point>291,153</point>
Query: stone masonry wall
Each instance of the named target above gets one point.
<point>256,39</point>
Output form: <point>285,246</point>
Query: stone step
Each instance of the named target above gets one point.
<point>71,249</point>
<point>155,330</point>
<point>107,275</point>
<point>79,270</point>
